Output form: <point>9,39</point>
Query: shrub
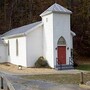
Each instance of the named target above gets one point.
<point>41,63</point>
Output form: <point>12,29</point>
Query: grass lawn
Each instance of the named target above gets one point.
<point>59,78</point>
<point>84,67</point>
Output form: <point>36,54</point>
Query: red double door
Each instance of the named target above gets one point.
<point>61,54</point>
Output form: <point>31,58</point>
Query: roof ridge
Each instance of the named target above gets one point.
<point>56,8</point>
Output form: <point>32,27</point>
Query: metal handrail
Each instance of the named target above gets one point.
<point>70,61</point>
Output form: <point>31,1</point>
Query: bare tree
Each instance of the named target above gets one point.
<point>31,8</point>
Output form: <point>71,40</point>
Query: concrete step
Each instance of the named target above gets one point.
<point>64,67</point>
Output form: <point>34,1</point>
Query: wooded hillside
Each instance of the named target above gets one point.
<point>15,13</point>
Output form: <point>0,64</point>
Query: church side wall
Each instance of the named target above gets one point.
<point>34,46</point>
<point>19,59</point>
<point>3,53</point>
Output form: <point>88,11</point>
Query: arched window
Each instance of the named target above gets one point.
<point>61,41</point>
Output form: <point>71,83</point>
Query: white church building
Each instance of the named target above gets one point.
<point>51,38</point>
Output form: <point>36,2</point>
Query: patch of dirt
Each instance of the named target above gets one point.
<point>11,68</point>
<point>82,60</point>
<point>8,67</point>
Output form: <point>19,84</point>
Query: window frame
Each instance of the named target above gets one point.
<point>17,47</point>
<point>61,42</point>
<point>8,48</point>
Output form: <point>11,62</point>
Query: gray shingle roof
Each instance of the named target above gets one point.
<point>21,30</point>
<point>56,8</point>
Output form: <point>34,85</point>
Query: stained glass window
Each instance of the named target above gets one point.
<point>61,41</point>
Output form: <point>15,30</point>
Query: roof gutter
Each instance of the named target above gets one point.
<point>13,36</point>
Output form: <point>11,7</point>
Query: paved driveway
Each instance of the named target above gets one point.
<point>23,84</point>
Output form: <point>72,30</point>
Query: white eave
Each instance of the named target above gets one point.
<point>13,36</point>
<point>73,34</point>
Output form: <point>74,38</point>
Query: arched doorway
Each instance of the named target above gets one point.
<point>61,50</point>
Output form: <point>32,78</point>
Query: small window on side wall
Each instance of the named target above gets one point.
<point>16,47</point>
<point>8,48</point>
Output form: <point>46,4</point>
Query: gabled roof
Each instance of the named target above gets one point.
<point>22,30</point>
<point>56,8</point>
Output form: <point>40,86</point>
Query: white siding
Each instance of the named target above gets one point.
<point>3,53</point>
<point>48,39</point>
<point>21,58</point>
<point>34,46</point>
<point>62,28</point>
